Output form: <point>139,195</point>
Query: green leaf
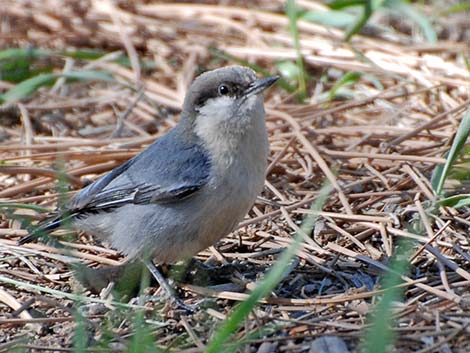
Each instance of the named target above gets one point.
<point>440,173</point>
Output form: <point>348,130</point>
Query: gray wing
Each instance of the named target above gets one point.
<point>169,170</point>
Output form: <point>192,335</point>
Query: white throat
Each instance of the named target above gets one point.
<point>215,111</point>
<point>224,128</point>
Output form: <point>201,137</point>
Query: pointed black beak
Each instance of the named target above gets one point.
<point>260,85</point>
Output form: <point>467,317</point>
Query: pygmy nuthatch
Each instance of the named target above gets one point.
<point>190,187</point>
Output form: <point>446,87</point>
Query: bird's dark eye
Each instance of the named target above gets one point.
<point>223,90</point>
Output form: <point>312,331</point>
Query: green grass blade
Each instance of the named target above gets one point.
<point>361,22</point>
<point>142,340</point>
<point>83,54</point>
<point>16,53</point>
<point>380,335</point>
<point>369,6</point>
<point>407,10</point>
<point>459,7</point>
<point>336,19</point>
<point>243,310</point>
<point>342,4</point>
<point>467,62</point>
<point>273,277</point>
<point>440,173</point>
<point>289,73</point>
<point>17,348</point>
<point>88,75</point>
<point>292,15</point>
<point>60,294</point>
<point>80,338</point>
<point>456,201</point>
<point>17,64</point>
<point>29,86</point>
<point>25,206</point>
<point>348,79</point>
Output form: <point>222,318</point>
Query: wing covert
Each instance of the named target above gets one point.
<point>169,170</point>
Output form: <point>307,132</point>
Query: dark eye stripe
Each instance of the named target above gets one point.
<point>234,89</point>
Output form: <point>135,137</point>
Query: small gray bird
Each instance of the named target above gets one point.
<point>190,187</point>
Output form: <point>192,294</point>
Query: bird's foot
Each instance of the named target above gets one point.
<point>175,302</point>
<point>178,305</point>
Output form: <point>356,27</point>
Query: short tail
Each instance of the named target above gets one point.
<point>43,227</point>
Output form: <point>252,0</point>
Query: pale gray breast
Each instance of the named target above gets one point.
<point>176,231</point>
<point>238,179</point>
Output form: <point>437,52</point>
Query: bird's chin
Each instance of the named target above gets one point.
<point>248,104</point>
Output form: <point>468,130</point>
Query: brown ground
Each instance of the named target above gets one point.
<point>378,148</point>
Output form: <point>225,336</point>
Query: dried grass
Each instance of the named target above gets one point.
<point>377,150</point>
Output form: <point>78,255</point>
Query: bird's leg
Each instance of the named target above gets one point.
<point>166,287</point>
